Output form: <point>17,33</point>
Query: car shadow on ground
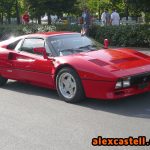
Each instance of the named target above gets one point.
<point>134,106</point>
<point>31,90</point>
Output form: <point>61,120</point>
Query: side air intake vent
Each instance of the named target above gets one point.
<point>98,62</point>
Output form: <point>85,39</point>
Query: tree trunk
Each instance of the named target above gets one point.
<point>127,13</point>
<point>1,18</point>
<point>49,19</point>
<point>39,19</point>
<point>99,12</point>
<point>17,12</point>
<point>9,17</point>
<point>126,10</point>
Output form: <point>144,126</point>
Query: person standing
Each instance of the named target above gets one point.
<point>25,18</point>
<point>115,18</point>
<point>86,18</point>
<point>103,18</point>
<point>108,17</point>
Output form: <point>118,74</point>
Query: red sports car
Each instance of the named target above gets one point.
<point>75,65</point>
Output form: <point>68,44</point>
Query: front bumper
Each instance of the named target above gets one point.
<point>106,90</point>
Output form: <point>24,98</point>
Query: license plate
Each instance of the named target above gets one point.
<point>142,85</point>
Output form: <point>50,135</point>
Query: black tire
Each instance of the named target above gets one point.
<point>79,94</point>
<point>2,81</point>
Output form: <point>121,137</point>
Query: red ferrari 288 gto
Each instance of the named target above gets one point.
<point>75,65</point>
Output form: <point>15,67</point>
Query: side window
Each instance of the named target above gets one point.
<point>13,45</point>
<point>31,43</point>
<point>48,51</point>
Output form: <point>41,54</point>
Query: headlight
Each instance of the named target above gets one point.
<point>123,83</point>
<point>126,82</point>
<point>118,85</point>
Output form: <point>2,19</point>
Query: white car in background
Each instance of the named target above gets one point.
<point>130,21</point>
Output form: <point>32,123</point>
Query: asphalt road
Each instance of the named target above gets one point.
<point>33,118</point>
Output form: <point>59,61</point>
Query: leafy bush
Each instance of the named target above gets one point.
<point>137,35</point>
<point>14,30</point>
<point>73,28</point>
<point>33,28</point>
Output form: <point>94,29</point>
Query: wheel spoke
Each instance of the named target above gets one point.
<point>64,82</point>
<point>72,91</point>
<point>73,85</point>
<point>71,82</point>
<point>70,79</point>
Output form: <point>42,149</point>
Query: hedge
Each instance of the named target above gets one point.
<point>136,36</point>
<point>7,31</point>
<point>132,36</point>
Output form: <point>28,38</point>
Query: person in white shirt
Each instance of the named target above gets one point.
<point>103,18</point>
<point>115,19</point>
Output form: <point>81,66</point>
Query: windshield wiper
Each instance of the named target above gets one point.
<point>72,50</point>
<point>88,46</point>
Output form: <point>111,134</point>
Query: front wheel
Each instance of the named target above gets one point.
<point>2,81</point>
<point>69,86</point>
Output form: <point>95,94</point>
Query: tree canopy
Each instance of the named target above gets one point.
<point>37,8</point>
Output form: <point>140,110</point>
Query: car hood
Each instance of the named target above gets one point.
<point>108,63</point>
<point>117,59</point>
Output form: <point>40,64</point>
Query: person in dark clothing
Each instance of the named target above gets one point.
<point>86,22</point>
<point>108,17</point>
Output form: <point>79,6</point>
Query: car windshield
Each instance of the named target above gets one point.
<point>72,43</point>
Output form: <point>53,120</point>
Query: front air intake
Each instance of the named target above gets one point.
<point>98,62</point>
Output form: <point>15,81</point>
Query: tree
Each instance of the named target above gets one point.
<point>11,8</point>
<point>17,11</point>
<point>6,6</point>
<point>40,7</point>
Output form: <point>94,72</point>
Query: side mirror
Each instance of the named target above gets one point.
<point>106,43</point>
<point>41,50</point>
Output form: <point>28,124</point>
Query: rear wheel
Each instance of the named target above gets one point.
<point>2,81</point>
<point>69,85</point>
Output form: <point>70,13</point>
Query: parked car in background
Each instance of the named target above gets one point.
<point>130,21</point>
<point>44,19</point>
<point>97,22</point>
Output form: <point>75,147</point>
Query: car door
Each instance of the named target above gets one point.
<point>31,67</point>
<point>5,64</point>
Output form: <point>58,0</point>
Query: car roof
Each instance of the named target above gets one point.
<point>47,34</point>
<point>40,34</point>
